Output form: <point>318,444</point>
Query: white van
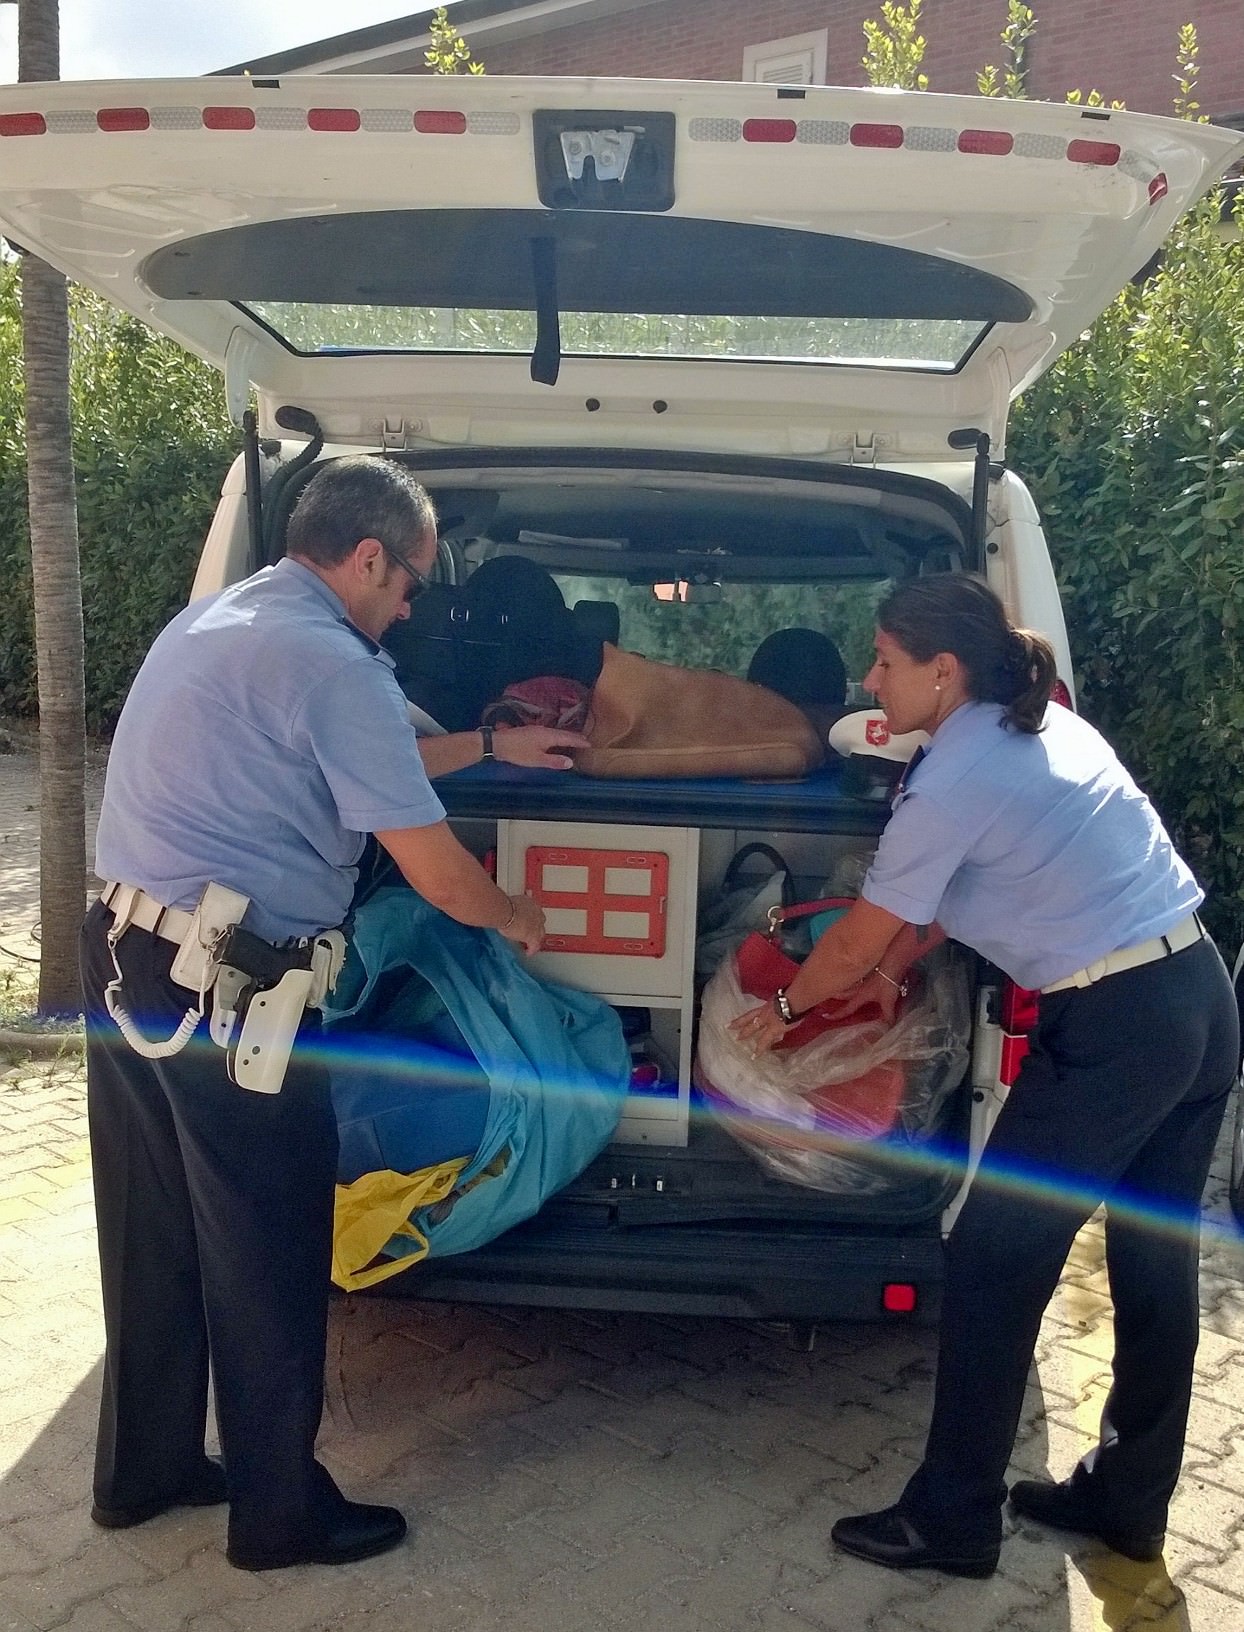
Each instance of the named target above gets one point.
<point>721,358</point>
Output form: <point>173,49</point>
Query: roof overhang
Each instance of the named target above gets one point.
<point>398,47</point>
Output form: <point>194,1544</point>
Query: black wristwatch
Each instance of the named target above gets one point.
<point>485,732</point>
<point>782,1008</point>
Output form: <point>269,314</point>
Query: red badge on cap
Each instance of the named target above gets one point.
<point>877,732</point>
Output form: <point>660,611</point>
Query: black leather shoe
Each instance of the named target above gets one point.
<point>891,1539</point>
<point>359,1530</point>
<point>1066,1508</point>
<point>206,1489</point>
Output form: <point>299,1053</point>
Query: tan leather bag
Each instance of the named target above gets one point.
<point>652,719</point>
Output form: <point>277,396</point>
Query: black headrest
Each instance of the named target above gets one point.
<point>522,591</point>
<point>597,621</point>
<point>802,665</point>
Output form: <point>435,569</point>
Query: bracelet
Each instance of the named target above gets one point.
<point>782,1008</point>
<point>513,914</point>
<point>900,986</point>
<point>485,737</point>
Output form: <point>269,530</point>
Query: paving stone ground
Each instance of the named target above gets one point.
<point>568,1471</point>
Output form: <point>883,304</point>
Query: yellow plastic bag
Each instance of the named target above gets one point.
<point>377,1207</point>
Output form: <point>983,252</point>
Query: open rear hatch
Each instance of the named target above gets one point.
<point>607,263</point>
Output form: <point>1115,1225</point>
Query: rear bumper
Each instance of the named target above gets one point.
<point>740,1273</point>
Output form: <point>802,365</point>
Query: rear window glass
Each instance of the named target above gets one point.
<point>724,633</point>
<point>930,343</point>
<point>605,283</point>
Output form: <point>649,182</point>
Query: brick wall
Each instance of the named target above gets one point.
<point>1126,49</point>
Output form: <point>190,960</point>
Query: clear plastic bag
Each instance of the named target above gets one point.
<point>810,1114</point>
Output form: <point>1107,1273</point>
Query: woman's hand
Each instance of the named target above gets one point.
<point>759,1028</point>
<point>527,925</point>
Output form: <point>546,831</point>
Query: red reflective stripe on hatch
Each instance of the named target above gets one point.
<point>123,119</point>
<point>876,135</point>
<point>440,122</point>
<point>22,124</point>
<point>1082,152</point>
<point>769,130</point>
<point>333,119</point>
<point>228,118</point>
<point>986,141</point>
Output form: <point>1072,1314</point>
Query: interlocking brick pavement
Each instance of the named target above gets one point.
<point>572,1471</point>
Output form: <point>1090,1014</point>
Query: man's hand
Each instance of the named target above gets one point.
<point>535,746</point>
<point>527,925</point>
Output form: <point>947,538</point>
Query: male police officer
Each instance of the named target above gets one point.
<point>263,737</point>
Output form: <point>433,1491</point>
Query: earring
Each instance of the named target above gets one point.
<point>937,688</point>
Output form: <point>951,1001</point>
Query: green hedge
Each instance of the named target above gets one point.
<point>1133,446</point>
<point>152,443</point>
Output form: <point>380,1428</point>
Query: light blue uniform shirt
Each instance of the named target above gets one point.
<point>262,739</point>
<point>1038,851</point>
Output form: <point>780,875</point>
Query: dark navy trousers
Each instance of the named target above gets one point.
<point>215,1209</point>
<point>1120,1101</point>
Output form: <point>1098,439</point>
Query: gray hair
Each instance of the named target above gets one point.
<point>361,496</point>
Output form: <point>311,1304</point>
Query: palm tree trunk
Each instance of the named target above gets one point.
<point>57,580</point>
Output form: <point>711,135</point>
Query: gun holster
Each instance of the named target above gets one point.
<point>270,987</point>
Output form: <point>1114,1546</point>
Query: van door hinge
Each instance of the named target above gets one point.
<point>241,365</point>
<point>396,434</point>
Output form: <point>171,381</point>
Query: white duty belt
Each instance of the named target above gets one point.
<point>1187,932</point>
<point>138,910</point>
<point>268,995</point>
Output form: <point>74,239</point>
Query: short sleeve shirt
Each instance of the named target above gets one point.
<point>263,738</point>
<point>1037,850</point>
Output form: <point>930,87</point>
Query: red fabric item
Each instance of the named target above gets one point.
<point>868,1106</point>
<point>764,969</point>
<point>865,1108</point>
<point>550,700</point>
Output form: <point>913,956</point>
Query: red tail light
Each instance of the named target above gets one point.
<point>1061,694</point>
<point>1019,1016</point>
<point>898,1297</point>
<point>1014,1053</point>
<point>1019,1007</point>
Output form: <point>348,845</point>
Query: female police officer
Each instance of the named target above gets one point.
<point>1024,837</point>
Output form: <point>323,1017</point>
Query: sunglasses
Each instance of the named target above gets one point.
<point>419,582</point>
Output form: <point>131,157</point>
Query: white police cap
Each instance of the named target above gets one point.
<point>867,732</point>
